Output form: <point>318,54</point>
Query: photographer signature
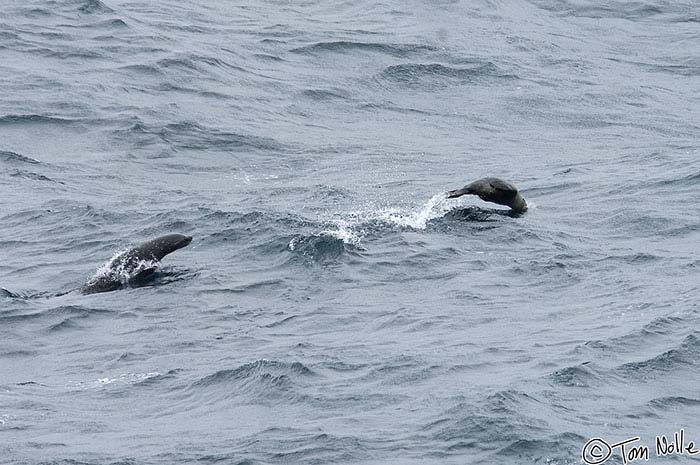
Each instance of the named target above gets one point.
<point>597,451</point>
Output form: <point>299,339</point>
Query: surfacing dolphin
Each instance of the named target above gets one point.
<point>134,265</point>
<point>493,190</point>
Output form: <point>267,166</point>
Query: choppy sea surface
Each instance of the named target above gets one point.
<point>333,307</point>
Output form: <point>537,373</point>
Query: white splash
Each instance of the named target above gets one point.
<point>344,232</point>
<point>436,207</point>
<point>350,228</point>
<point>124,379</point>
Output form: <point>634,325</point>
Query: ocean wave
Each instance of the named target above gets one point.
<point>261,380</point>
<point>155,378</point>
<point>32,176</point>
<point>259,369</point>
<point>93,7</point>
<point>298,445</point>
<point>582,376</point>
<point>324,246</point>
<point>673,403</point>
<point>685,356</point>
<point>656,331</point>
<point>630,10</point>
<point>193,136</point>
<point>5,293</point>
<point>19,353</point>
<point>112,23</point>
<point>170,87</point>
<point>432,74</point>
<point>554,449</point>
<point>65,9</point>
<point>55,316</point>
<point>689,180</point>
<point>478,430</point>
<point>395,50</point>
<point>322,95</point>
<point>193,63</point>
<point>124,379</point>
<point>12,157</point>
<point>140,69</point>
<point>688,67</point>
<point>34,119</point>
<point>9,36</point>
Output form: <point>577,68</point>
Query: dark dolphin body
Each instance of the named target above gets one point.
<point>493,190</point>
<point>136,264</point>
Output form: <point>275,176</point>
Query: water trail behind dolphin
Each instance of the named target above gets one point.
<point>433,208</point>
<point>352,227</point>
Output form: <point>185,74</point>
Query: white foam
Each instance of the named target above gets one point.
<point>120,269</point>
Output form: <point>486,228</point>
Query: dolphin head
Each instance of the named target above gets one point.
<point>163,245</point>
<point>518,203</point>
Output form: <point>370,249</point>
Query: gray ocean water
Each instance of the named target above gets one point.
<point>333,307</point>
